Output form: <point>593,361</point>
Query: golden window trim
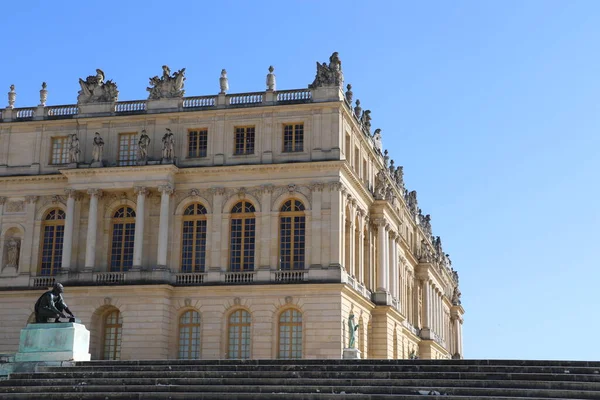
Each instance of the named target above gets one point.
<point>294,126</point>
<point>242,217</point>
<point>55,222</point>
<point>240,337</point>
<point>190,325</point>
<point>114,221</point>
<point>291,325</point>
<point>193,218</point>
<point>133,135</point>
<point>197,148</point>
<point>245,140</point>
<point>292,234</point>
<point>119,330</point>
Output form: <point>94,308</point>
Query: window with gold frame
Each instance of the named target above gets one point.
<point>292,235</point>
<point>53,231</point>
<point>113,325</point>
<point>290,334</point>
<point>293,138</point>
<point>59,150</point>
<point>189,335</point>
<point>193,239</point>
<point>244,140</point>
<point>242,237</point>
<point>122,239</point>
<point>128,145</point>
<point>238,338</point>
<point>197,143</point>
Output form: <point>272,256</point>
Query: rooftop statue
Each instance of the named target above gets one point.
<point>52,305</point>
<point>95,90</point>
<point>167,86</point>
<point>329,75</point>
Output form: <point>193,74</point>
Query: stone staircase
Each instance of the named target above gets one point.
<point>309,379</point>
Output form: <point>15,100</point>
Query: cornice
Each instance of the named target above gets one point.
<point>31,178</point>
<point>119,170</point>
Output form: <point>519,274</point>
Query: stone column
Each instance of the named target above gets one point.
<point>92,229</point>
<point>361,249</point>
<point>393,266</point>
<point>381,262</point>
<point>163,225</point>
<point>68,235</point>
<point>138,242</point>
<point>337,224</point>
<point>426,305</point>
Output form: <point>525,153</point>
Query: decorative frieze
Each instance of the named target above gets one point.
<point>14,207</point>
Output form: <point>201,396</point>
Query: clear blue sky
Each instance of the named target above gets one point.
<point>491,106</point>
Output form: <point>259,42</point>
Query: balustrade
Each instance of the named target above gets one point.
<point>190,279</point>
<point>62,111</point>
<point>239,277</point>
<point>24,113</point>
<point>291,96</point>
<point>199,101</point>
<point>130,106</point>
<point>42,281</point>
<point>245,98</point>
<point>290,276</point>
<point>110,278</point>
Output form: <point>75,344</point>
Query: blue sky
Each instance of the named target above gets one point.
<point>493,108</point>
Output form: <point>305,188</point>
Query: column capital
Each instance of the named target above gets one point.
<point>95,192</point>
<point>141,190</point>
<point>380,222</point>
<point>167,189</point>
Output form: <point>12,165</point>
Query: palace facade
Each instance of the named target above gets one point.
<point>227,226</point>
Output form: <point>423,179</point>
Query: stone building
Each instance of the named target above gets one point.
<point>226,226</point>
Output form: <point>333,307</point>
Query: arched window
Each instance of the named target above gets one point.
<point>243,236</point>
<point>123,235</point>
<point>292,235</point>
<point>113,324</point>
<point>239,334</point>
<point>189,335</point>
<point>53,231</point>
<point>193,244</point>
<point>290,334</point>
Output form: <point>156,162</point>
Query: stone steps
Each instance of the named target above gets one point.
<point>309,379</point>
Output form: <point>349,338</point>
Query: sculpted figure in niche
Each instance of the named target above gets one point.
<point>52,305</point>
<point>98,150</point>
<point>12,252</point>
<point>352,331</point>
<point>168,141</point>
<point>94,89</point>
<point>74,149</point>
<point>143,144</point>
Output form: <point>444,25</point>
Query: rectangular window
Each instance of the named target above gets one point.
<point>293,138</point>
<point>127,148</point>
<point>197,143</point>
<point>60,150</point>
<point>244,140</point>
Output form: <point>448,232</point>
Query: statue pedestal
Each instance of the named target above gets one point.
<point>351,354</point>
<point>65,341</point>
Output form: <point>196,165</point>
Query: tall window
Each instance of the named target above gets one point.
<point>127,148</point>
<point>290,334</point>
<point>243,236</point>
<point>123,234</point>
<point>244,140</point>
<point>193,251</point>
<point>293,138</point>
<point>292,235</point>
<point>53,231</point>
<point>197,143</point>
<point>60,150</point>
<point>113,324</point>
<point>189,335</point>
<point>239,335</point>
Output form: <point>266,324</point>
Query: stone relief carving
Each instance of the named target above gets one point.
<point>168,142</point>
<point>98,148</point>
<point>14,206</point>
<point>329,75</point>
<point>167,86</point>
<point>95,90</point>
<point>456,296</point>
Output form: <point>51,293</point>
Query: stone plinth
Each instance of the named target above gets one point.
<point>351,354</point>
<point>54,342</point>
